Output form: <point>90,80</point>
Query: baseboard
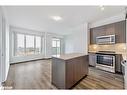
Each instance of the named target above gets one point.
<point>7,72</point>
<point>31,60</point>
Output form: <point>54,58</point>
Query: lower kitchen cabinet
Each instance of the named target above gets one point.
<point>92,59</point>
<point>118,66</point>
<point>69,69</point>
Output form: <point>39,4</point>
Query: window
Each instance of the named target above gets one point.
<point>56,46</point>
<point>20,45</point>
<point>38,45</point>
<point>27,45</point>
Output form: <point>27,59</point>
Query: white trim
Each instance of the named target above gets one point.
<point>4,51</point>
<point>26,58</point>
<point>0,45</point>
<point>4,47</point>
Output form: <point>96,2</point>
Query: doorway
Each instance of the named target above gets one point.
<point>56,46</point>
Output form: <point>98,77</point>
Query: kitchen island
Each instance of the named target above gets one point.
<point>68,69</point>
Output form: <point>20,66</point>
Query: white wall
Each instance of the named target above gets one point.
<point>77,41</point>
<point>4,46</point>
<point>6,49</point>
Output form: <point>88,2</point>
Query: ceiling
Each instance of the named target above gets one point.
<point>38,17</point>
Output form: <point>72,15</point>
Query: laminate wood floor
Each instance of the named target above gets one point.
<point>37,75</point>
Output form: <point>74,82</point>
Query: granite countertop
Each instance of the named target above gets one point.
<point>68,56</point>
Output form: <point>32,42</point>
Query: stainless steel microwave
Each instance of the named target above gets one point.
<point>109,39</point>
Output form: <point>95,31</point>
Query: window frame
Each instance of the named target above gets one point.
<point>16,44</point>
<point>25,34</point>
<point>56,45</point>
<point>26,52</point>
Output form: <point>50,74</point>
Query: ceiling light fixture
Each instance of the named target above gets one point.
<point>56,18</point>
<point>102,7</point>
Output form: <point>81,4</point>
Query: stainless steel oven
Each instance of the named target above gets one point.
<point>105,62</point>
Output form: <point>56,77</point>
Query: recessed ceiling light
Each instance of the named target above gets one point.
<point>56,18</point>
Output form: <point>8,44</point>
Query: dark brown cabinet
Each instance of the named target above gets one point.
<point>118,29</point>
<point>68,71</point>
<point>110,29</point>
<point>120,32</point>
<point>118,66</point>
<point>92,36</point>
<point>95,32</point>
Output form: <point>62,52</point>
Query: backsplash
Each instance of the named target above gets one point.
<point>119,48</point>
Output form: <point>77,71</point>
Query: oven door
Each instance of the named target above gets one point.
<point>107,60</point>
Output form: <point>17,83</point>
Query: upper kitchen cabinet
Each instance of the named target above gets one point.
<point>117,29</point>
<point>95,32</point>
<point>110,29</point>
<point>92,36</point>
<point>120,32</point>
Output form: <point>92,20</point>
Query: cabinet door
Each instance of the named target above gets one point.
<point>118,66</point>
<point>95,32</point>
<point>120,32</point>
<point>70,73</point>
<point>92,59</point>
<point>110,29</point>
<point>76,68</point>
<point>92,41</point>
<point>101,31</point>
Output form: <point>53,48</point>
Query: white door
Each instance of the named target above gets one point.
<point>0,46</point>
<point>4,49</point>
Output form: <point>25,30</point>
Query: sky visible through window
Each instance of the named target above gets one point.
<point>20,40</point>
